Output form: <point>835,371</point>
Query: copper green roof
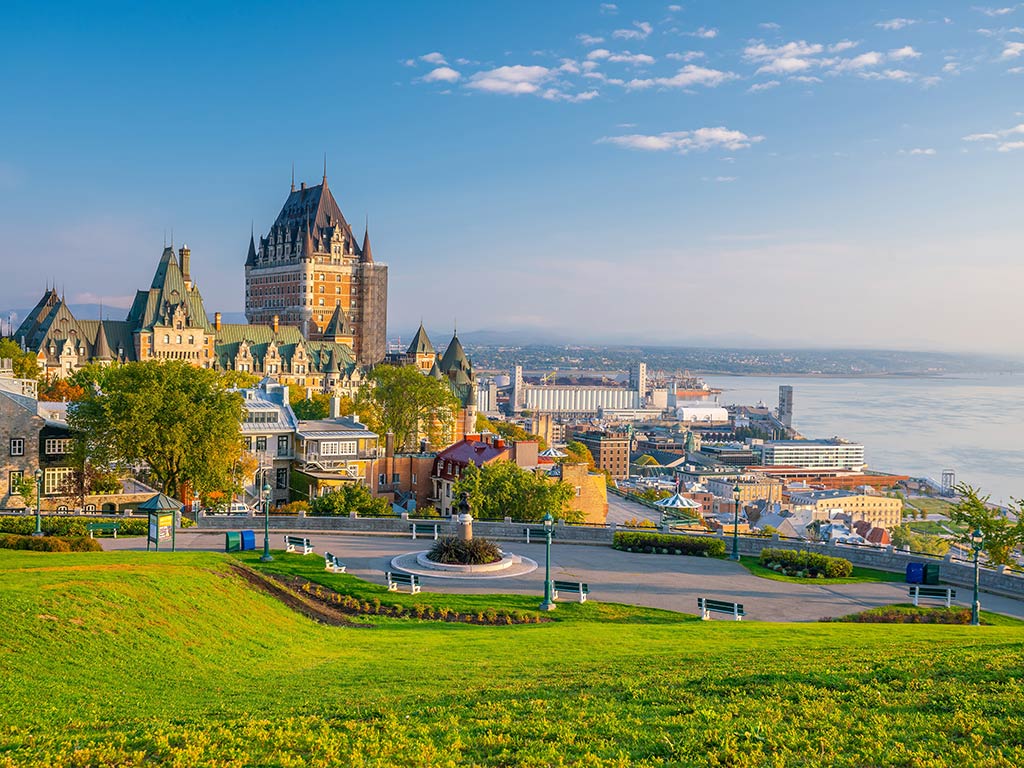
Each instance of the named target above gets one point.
<point>420,343</point>
<point>156,306</point>
<point>455,358</point>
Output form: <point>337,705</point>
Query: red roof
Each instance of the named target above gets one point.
<point>462,453</point>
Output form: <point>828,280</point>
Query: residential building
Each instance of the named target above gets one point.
<point>311,273</point>
<point>268,432</point>
<point>610,451</point>
<point>751,488</point>
<point>480,450</point>
<point>813,454</point>
<point>881,511</point>
<point>20,429</point>
<point>330,453</point>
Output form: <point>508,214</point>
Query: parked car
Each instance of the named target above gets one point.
<point>235,508</point>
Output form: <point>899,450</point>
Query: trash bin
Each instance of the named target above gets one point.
<point>232,541</point>
<point>248,540</point>
<point>915,573</point>
<point>931,573</point>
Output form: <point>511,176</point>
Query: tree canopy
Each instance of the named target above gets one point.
<point>177,419</point>
<point>577,453</point>
<point>401,400</point>
<point>502,489</point>
<point>1000,536</point>
<point>25,364</point>
<point>351,497</point>
<point>508,430</point>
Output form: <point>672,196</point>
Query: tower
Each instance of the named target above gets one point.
<point>786,405</point>
<point>638,379</point>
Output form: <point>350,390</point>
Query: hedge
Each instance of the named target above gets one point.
<point>75,525</point>
<point>49,543</point>
<point>807,564</point>
<point>665,543</point>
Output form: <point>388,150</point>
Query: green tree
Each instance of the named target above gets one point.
<point>25,364</point>
<point>177,419</point>
<point>239,379</point>
<point>351,497</point>
<point>1000,537</point>
<point>902,537</point>
<point>502,489</point>
<point>317,406</point>
<point>25,486</point>
<point>401,400</point>
<point>577,453</point>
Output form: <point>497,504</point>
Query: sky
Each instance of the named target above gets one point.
<point>778,174</point>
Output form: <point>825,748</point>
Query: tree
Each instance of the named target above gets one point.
<point>177,419</point>
<point>503,489</point>
<point>351,497</point>
<point>26,366</point>
<point>58,390</point>
<point>577,453</point>
<point>902,537</point>
<point>317,406</point>
<point>239,379</point>
<point>401,400</point>
<point>1000,537</point>
<point>25,486</point>
<point>508,430</point>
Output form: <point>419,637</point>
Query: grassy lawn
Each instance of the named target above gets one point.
<point>909,610</point>
<point>932,528</point>
<point>136,659</point>
<point>929,505</point>
<point>859,576</point>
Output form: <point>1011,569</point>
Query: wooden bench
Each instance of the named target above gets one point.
<point>424,528</point>
<point>410,580</point>
<point>294,543</point>
<point>707,607</point>
<point>94,528</point>
<point>333,564</point>
<point>946,594</point>
<point>577,587</point>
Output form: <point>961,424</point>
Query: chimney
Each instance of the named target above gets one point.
<point>216,321</point>
<point>499,443</point>
<point>184,255</point>
<point>302,185</point>
<point>335,407</point>
<point>275,324</point>
<point>389,444</point>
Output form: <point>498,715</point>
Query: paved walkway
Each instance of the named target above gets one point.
<point>673,582</point>
<point>620,510</point>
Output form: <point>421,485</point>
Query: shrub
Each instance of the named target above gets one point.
<point>49,543</point>
<point>455,551</point>
<point>72,525</point>
<point>806,564</point>
<point>701,546</point>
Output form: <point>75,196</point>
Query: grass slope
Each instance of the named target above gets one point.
<point>135,659</point>
<point>860,574</point>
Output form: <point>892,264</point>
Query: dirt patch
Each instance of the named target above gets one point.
<point>315,610</point>
<point>47,617</point>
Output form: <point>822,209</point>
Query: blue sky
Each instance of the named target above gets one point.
<point>827,174</point>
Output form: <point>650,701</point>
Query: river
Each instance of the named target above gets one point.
<point>915,426</point>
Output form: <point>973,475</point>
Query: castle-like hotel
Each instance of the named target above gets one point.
<point>315,300</point>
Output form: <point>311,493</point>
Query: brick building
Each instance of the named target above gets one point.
<point>610,450</point>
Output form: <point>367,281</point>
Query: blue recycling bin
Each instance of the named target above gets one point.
<point>915,573</point>
<point>248,540</point>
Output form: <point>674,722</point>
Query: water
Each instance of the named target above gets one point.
<point>910,426</point>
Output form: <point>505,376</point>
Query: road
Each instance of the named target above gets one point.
<point>672,582</point>
<point>620,510</point>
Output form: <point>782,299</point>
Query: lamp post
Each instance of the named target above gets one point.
<point>977,538</point>
<point>736,523</point>
<point>39,495</point>
<point>266,557</point>
<point>549,523</point>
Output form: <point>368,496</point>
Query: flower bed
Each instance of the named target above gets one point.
<point>454,551</point>
<point>668,544</point>
<point>807,565</point>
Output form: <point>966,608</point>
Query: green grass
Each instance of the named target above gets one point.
<point>859,576</point>
<point>136,659</point>
<point>940,614</point>
<point>931,506</point>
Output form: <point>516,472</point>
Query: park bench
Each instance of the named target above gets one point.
<point>424,529</point>
<point>577,587</point>
<point>294,543</point>
<point>946,594</point>
<point>410,580</point>
<point>95,528</point>
<point>333,564</point>
<point>707,607</point>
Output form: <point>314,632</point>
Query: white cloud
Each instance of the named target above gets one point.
<point>759,51</point>
<point>599,53</point>
<point>433,58</point>
<point>706,33</point>
<point>906,52</point>
<point>893,25</point>
<point>589,39</point>
<point>687,76</point>
<point>807,79</point>
<point>771,25</point>
<point>889,74</point>
<point>951,67</point>
<point>865,60</point>
<point>1000,136</point>
<point>725,179</point>
<point>569,67</point>
<point>1016,70</point>
<point>843,45</point>
<point>553,94</point>
<point>919,151</point>
<point>642,31</point>
<point>516,79</point>
<point>1013,50</point>
<point>1011,146</point>
<point>757,87</point>
<point>995,12</point>
<point>686,56</point>
<point>442,75</point>
<point>636,59</point>
<point>785,65</point>
<point>683,142</point>
<point>609,9</point>
<point>675,8</point>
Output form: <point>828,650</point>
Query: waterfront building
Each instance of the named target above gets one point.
<point>311,273</point>
<point>786,405</point>
<point>881,511</point>
<point>574,401</point>
<point>813,454</point>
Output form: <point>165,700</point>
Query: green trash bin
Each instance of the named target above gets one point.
<point>931,573</point>
<point>233,541</point>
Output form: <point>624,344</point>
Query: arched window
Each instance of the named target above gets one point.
<point>167,339</point>
<point>179,339</point>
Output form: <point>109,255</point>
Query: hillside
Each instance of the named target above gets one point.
<point>136,659</point>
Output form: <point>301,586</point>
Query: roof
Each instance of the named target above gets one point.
<point>420,343</point>
<point>166,296</point>
<point>333,428</point>
<point>338,325</point>
<point>455,358</point>
<point>475,451</point>
<point>834,493</point>
<point>316,209</point>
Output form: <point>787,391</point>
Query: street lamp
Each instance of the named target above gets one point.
<point>736,523</point>
<point>977,538</point>
<point>39,495</point>
<point>549,524</point>
<point>266,558</point>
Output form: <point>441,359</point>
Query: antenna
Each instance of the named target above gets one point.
<point>293,175</point>
<point>325,167</point>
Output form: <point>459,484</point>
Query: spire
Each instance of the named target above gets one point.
<point>100,347</point>
<point>307,242</point>
<point>367,254</point>
<point>421,343</point>
<point>293,175</point>
<point>332,367</point>
<point>324,182</point>
<point>337,325</point>
<point>250,259</point>
<point>455,358</point>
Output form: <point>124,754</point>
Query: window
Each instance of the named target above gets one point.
<point>167,338</point>
<point>55,478</point>
<point>282,479</point>
<point>17,446</point>
<point>414,478</point>
<point>282,445</point>
<point>382,479</point>
<point>13,479</point>
<point>338,448</point>
<point>395,477</point>
<point>261,443</point>
<point>56,446</point>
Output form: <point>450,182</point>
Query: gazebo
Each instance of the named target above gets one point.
<point>679,509</point>
<point>553,453</point>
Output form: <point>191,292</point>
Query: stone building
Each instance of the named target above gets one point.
<point>311,273</point>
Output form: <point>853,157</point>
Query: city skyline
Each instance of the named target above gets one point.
<point>620,172</point>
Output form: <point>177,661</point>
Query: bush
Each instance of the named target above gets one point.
<point>49,543</point>
<point>351,497</point>
<point>454,551</point>
<point>700,546</point>
<point>806,564</point>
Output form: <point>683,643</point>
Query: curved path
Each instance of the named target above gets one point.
<point>672,582</point>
